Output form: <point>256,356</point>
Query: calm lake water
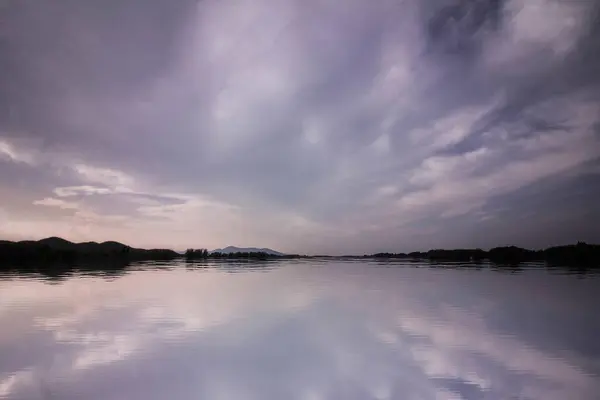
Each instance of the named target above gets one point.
<point>300,330</point>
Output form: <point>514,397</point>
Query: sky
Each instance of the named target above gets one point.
<point>304,126</point>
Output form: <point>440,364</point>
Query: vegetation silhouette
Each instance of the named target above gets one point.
<point>55,250</point>
<point>204,254</point>
<point>578,256</point>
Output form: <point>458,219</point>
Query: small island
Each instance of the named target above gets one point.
<point>232,252</point>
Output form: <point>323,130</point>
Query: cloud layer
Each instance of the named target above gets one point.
<point>305,126</point>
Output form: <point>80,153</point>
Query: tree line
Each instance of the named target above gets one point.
<point>203,254</point>
<point>580,254</point>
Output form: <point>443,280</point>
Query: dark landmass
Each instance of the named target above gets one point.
<point>577,255</point>
<point>57,250</point>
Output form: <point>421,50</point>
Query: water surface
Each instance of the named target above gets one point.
<point>300,330</point>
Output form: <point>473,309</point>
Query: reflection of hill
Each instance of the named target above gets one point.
<point>61,270</point>
<point>60,250</point>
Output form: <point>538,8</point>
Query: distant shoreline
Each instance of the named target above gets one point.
<point>55,249</point>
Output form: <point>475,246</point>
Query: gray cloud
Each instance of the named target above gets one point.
<point>303,126</point>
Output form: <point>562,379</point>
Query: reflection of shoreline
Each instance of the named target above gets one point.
<point>234,265</point>
<point>111,269</point>
<point>114,268</point>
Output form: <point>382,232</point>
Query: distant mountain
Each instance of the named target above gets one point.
<point>233,249</point>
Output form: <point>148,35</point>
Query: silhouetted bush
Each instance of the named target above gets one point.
<point>194,254</point>
<point>512,255</point>
<point>579,255</point>
<point>456,255</point>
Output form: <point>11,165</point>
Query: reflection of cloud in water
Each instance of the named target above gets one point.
<point>311,333</point>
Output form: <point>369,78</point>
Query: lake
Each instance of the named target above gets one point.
<point>306,330</point>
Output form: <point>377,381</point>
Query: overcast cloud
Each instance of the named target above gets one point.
<point>306,126</point>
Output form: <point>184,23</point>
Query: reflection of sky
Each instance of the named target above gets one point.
<point>332,331</point>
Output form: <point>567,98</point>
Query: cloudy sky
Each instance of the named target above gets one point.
<point>307,126</point>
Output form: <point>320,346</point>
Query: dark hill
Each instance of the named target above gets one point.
<point>55,249</point>
<point>57,243</point>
